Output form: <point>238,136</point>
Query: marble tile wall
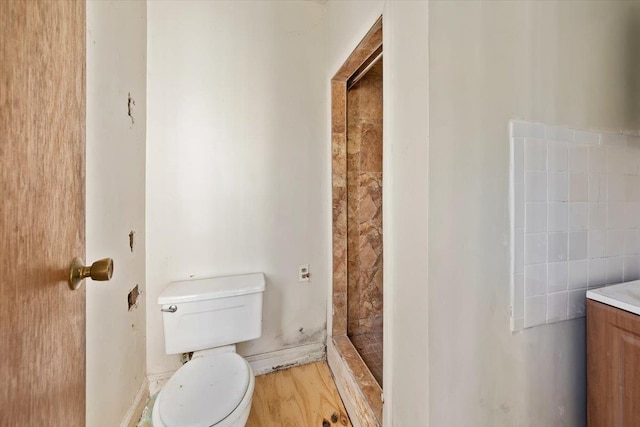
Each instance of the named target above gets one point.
<point>339,204</point>
<point>364,204</point>
<point>359,389</point>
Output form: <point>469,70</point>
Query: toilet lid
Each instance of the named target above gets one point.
<point>204,391</point>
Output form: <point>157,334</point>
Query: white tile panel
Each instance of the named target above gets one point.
<point>535,154</point>
<point>535,311</point>
<point>558,216</point>
<point>557,307</point>
<point>558,249</point>
<point>578,271</point>
<point>578,158</point>
<point>557,156</point>
<point>558,186</point>
<point>536,217</point>
<point>578,187</point>
<point>575,210</point>
<point>557,274</point>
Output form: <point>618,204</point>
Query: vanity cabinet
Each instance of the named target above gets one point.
<point>613,366</point>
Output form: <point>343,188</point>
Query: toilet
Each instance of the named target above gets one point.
<point>208,317</point>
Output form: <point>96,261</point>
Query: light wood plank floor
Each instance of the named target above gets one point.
<point>303,396</point>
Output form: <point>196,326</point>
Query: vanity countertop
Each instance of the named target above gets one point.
<point>625,296</point>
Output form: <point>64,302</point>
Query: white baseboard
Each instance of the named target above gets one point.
<point>156,381</point>
<point>261,363</point>
<point>286,358</point>
<point>137,406</point>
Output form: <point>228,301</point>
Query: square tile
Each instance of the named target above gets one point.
<point>615,215</point>
<point>631,267</point>
<point>578,159</point>
<point>632,188</point>
<point>557,156</point>
<point>520,129</point>
<point>597,159</point>
<point>613,138</point>
<point>536,217</point>
<point>578,187</point>
<point>557,275</point>
<point>577,303</point>
<point>631,242</point>
<point>518,169</point>
<point>558,249</point>
<point>557,307</point>
<point>535,186</point>
<point>615,159</point>
<point>633,140</point>
<point>535,279</point>
<point>559,133</point>
<point>615,270</point>
<point>578,216</point>
<point>597,244</point>
<point>597,272</point>
<point>597,188</point>
<point>632,159</point>
<point>631,215</point>
<point>535,311</point>
<point>615,243</point>
<point>518,297</point>
<point>558,186</point>
<point>535,248</point>
<point>535,154</point>
<point>577,245</point>
<point>586,137</point>
<point>578,273</point>
<point>597,216</point>
<point>518,251</point>
<point>558,217</point>
<point>615,188</point>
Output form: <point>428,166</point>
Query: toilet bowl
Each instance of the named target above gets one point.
<point>208,317</point>
<point>207,391</point>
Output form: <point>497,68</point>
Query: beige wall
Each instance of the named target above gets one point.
<point>115,180</point>
<point>235,168</point>
<point>568,63</point>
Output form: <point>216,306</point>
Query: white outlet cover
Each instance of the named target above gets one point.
<point>303,273</point>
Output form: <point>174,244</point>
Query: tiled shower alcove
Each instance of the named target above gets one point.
<point>353,353</point>
<point>575,218</point>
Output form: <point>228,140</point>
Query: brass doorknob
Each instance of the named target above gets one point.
<point>100,270</point>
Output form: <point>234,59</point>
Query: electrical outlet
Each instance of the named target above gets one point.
<point>303,273</point>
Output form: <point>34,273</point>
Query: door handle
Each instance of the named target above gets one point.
<point>100,270</point>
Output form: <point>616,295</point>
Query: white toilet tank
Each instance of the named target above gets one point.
<point>213,312</point>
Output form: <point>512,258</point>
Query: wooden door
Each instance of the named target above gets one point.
<point>613,366</point>
<point>42,144</point>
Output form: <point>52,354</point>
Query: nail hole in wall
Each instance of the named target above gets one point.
<point>132,298</point>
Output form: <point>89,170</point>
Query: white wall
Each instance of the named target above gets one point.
<point>116,66</point>
<point>405,190</point>
<point>563,63</point>
<point>236,163</point>
<point>407,154</point>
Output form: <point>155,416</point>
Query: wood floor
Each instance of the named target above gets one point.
<point>304,396</point>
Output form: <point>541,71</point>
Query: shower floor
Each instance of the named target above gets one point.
<point>369,346</point>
